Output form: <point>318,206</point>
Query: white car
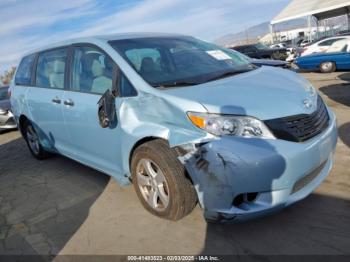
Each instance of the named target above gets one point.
<point>339,46</point>
<point>322,45</point>
<point>280,45</point>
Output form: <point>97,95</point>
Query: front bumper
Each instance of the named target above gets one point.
<point>238,178</point>
<point>7,121</point>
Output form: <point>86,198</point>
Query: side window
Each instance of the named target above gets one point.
<point>324,43</point>
<point>92,71</point>
<point>329,42</point>
<point>24,72</point>
<point>50,72</point>
<point>144,59</point>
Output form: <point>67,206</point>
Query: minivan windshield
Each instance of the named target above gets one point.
<point>179,61</point>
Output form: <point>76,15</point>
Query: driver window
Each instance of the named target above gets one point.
<point>92,71</point>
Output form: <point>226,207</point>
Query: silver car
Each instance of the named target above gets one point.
<point>7,120</point>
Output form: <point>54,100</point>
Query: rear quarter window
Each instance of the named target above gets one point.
<point>24,71</point>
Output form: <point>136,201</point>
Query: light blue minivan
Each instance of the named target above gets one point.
<point>184,120</point>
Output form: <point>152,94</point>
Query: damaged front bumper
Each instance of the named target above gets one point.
<point>238,178</point>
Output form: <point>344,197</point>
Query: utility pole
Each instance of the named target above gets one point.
<point>246,35</point>
<point>309,26</point>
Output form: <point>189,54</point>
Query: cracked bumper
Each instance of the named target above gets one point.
<point>280,172</point>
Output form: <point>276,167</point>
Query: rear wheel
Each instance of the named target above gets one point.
<point>33,142</point>
<point>160,182</point>
<point>327,67</point>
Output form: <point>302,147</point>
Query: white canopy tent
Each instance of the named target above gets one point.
<point>319,9</point>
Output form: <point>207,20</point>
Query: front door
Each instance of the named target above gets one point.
<point>91,75</point>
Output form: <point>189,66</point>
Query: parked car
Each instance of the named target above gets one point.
<point>336,58</point>
<point>303,42</point>
<point>321,45</point>
<point>268,62</point>
<point>261,51</point>
<point>344,32</point>
<point>7,120</point>
<point>279,45</point>
<point>184,120</point>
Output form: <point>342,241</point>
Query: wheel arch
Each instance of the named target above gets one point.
<point>22,120</point>
<point>148,139</point>
<point>139,143</point>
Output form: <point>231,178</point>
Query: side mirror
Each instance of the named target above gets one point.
<point>106,110</point>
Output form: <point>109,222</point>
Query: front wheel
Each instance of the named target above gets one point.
<point>33,142</point>
<point>327,67</point>
<point>160,182</point>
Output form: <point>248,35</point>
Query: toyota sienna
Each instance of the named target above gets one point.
<point>184,120</point>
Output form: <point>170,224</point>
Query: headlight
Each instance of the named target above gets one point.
<point>231,125</point>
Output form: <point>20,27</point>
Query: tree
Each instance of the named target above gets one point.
<point>8,75</point>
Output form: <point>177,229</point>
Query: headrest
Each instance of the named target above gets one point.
<point>96,68</point>
<point>58,67</point>
<point>147,65</point>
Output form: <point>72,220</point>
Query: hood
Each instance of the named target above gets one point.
<point>265,93</point>
<point>280,49</point>
<point>269,62</point>
<point>5,104</point>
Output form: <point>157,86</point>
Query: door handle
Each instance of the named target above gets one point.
<point>56,100</point>
<point>69,102</point>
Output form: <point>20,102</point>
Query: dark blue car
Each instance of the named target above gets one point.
<point>326,62</point>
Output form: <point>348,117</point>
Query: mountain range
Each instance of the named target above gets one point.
<point>257,31</point>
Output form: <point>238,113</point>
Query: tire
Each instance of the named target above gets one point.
<point>33,142</point>
<point>327,67</point>
<point>173,193</point>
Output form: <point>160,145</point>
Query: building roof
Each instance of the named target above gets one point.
<point>321,9</point>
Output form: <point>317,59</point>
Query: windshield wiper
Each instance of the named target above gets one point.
<point>227,74</point>
<point>174,84</point>
<point>189,83</point>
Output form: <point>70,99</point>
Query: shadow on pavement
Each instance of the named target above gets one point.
<point>42,203</point>
<point>344,76</point>
<point>344,133</point>
<point>339,92</point>
<point>317,225</point>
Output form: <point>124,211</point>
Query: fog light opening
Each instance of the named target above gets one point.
<point>252,196</point>
<point>244,198</point>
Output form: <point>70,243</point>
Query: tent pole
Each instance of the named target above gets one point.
<point>309,27</point>
<point>272,33</point>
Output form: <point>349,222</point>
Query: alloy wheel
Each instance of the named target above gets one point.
<point>33,140</point>
<point>327,66</point>
<point>152,184</point>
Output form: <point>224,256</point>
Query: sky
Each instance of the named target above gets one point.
<point>29,24</point>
